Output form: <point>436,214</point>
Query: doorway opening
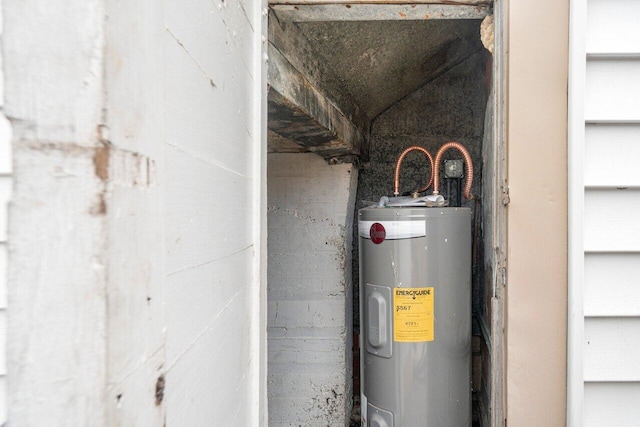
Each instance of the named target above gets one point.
<point>351,87</point>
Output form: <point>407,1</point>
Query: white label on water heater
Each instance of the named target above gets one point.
<point>413,314</point>
<point>394,229</point>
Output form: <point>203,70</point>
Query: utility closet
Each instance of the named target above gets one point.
<point>351,86</point>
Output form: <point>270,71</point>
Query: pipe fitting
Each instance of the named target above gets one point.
<point>468,166</point>
<point>396,174</point>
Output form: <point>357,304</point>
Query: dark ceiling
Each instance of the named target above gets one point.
<point>360,67</point>
<point>381,62</point>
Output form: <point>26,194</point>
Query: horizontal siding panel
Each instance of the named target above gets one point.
<point>612,155</point>
<point>612,284</point>
<point>612,349</point>
<point>611,220</point>
<point>613,26</point>
<point>612,405</point>
<point>612,90</point>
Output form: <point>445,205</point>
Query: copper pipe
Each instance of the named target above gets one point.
<point>467,161</point>
<point>396,175</point>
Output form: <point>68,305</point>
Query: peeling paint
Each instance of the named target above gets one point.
<point>130,169</point>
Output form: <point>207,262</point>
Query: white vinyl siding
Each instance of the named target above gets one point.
<point>612,27</point>
<point>611,404</point>
<point>613,89</point>
<point>611,222</point>
<point>620,273</point>
<point>611,349</point>
<point>606,279</point>
<point>612,155</point>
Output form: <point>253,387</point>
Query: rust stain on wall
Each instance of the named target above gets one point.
<point>101,158</point>
<point>101,161</point>
<point>100,208</point>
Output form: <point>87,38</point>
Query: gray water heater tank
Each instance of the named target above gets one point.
<point>415,311</point>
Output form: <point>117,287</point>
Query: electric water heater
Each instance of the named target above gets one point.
<point>415,305</point>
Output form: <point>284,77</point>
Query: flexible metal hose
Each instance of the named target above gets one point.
<point>468,164</point>
<point>396,175</point>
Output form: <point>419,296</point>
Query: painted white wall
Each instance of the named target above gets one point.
<point>138,218</point>
<point>604,378</point>
<point>135,128</point>
<point>212,204</point>
<point>310,211</point>
<point>57,267</point>
<point>6,168</point>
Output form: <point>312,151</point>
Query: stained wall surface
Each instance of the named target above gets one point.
<point>137,249</point>
<point>57,267</point>
<point>310,208</point>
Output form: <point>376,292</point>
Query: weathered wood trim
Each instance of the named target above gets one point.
<point>499,219</point>
<point>277,143</point>
<point>299,111</point>
<point>287,38</point>
<point>378,12</point>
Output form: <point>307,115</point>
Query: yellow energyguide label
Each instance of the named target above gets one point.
<point>413,314</point>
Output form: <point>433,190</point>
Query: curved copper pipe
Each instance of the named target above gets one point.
<point>396,175</point>
<point>467,161</point>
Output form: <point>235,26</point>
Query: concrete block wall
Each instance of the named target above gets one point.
<point>310,215</point>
